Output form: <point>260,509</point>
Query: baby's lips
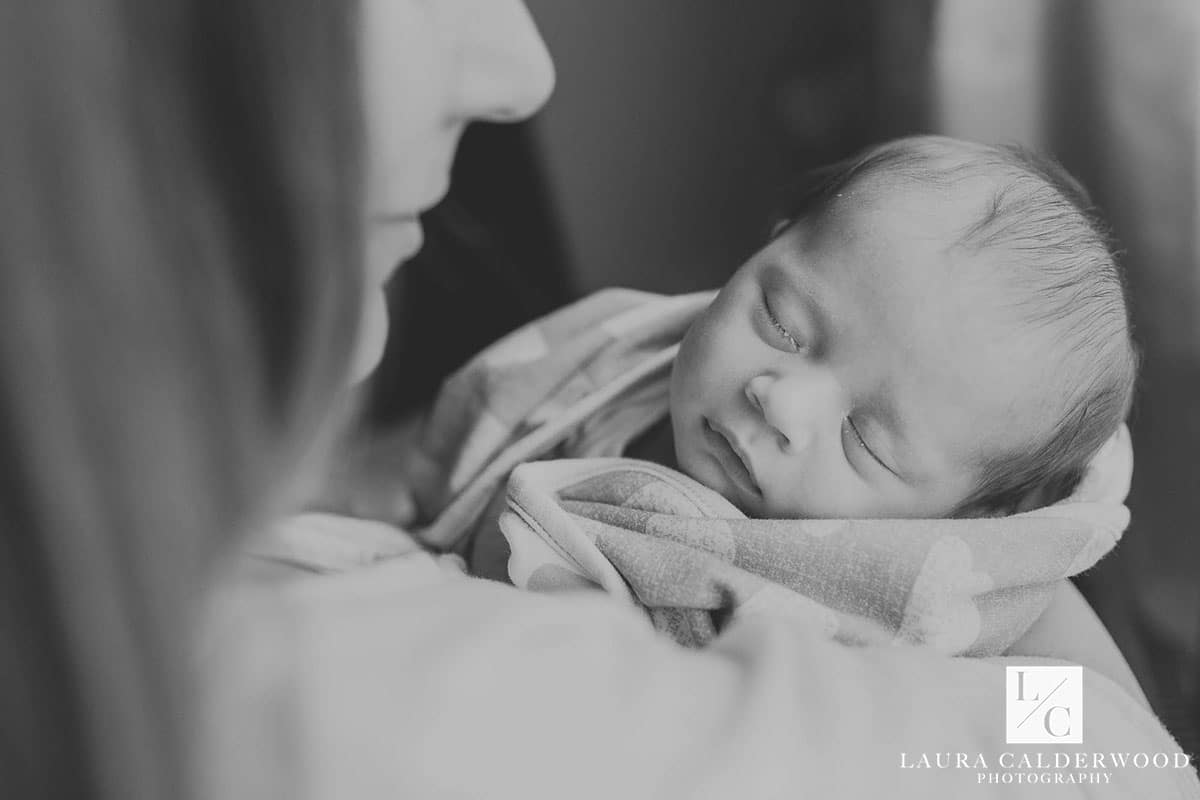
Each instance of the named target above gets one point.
<point>740,453</point>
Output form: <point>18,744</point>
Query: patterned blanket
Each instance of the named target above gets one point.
<point>654,537</point>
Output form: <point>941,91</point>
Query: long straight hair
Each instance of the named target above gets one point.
<point>179,290</point>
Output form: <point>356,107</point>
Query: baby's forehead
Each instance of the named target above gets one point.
<point>934,207</point>
<point>909,242</point>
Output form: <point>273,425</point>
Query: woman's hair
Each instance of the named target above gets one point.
<point>179,291</point>
<point>1056,257</point>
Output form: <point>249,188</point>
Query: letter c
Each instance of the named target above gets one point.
<point>1046,720</point>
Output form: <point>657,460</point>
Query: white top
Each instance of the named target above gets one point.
<point>407,679</point>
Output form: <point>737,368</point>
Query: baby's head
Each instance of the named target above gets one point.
<point>937,329</point>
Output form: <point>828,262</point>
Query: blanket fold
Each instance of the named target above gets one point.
<point>658,539</point>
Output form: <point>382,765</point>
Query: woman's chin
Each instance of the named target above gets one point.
<point>372,337</point>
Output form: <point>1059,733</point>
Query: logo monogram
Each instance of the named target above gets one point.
<point>1043,705</point>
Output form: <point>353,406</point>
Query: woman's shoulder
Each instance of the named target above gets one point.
<point>390,673</point>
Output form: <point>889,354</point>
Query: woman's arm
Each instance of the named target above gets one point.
<point>405,680</point>
<point>1069,630</point>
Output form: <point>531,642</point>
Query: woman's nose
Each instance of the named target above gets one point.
<point>506,71</point>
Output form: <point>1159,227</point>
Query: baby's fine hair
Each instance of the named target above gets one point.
<point>1058,255</point>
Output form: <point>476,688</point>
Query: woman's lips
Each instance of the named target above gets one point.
<point>731,458</point>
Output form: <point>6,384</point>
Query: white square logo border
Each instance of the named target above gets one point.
<point>1043,705</point>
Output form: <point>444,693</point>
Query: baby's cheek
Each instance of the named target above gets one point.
<point>698,359</point>
<point>811,490</point>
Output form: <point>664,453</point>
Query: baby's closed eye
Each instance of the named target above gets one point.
<point>789,339</point>
<point>858,441</point>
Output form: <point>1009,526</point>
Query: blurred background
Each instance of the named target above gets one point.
<point>676,122</point>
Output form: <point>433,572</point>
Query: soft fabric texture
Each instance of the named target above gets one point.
<point>657,538</point>
<point>407,679</point>
<point>563,383</point>
<point>654,537</point>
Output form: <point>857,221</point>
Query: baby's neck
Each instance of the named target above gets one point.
<point>656,443</point>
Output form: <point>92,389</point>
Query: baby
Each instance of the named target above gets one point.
<point>937,329</point>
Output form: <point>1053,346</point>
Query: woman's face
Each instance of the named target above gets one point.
<point>430,67</point>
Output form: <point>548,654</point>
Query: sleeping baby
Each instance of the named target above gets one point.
<point>905,388</point>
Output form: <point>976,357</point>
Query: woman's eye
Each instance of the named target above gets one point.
<point>790,340</point>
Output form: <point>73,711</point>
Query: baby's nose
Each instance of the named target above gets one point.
<point>782,413</point>
<point>756,388</point>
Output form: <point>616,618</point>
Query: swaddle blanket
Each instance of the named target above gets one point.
<point>657,538</point>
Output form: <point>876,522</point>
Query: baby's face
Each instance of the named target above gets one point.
<point>856,367</point>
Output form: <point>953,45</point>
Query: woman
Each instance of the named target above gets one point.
<point>182,302</point>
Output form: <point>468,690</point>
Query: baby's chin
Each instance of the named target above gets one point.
<point>697,467</point>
